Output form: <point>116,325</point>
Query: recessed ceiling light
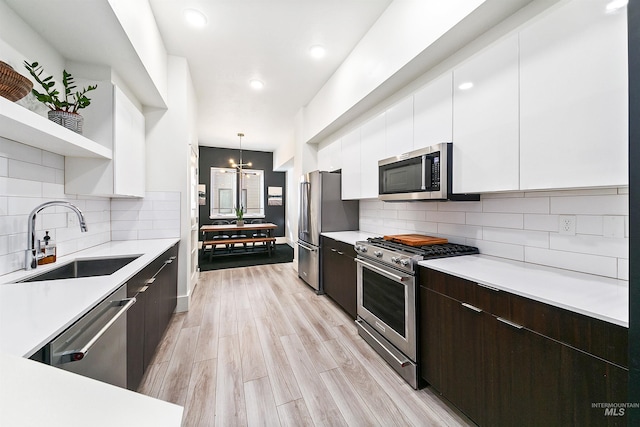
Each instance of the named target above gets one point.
<point>195,18</point>
<point>317,51</point>
<point>256,84</point>
<point>465,86</point>
<point>616,5</point>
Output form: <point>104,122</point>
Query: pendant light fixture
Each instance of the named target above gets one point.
<point>240,164</point>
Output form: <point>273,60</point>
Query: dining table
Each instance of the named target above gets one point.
<point>209,230</point>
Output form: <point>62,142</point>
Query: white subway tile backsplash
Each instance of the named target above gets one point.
<point>124,235</point>
<point>446,217</point>
<point>129,204</point>
<point>31,171</point>
<point>126,215</point>
<point>538,239</point>
<point>4,166</point>
<point>158,234</point>
<point>162,195</point>
<point>586,244</point>
<point>539,205</point>
<point>54,191</point>
<point>158,215</point>
<point>521,226</point>
<point>502,250</point>
<point>53,160</point>
<point>495,219</point>
<point>20,188</point>
<point>458,230</point>
<point>412,215</point>
<point>623,269</point>
<point>589,224</point>
<point>459,206</point>
<point>163,205</point>
<point>593,264</point>
<point>591,205</point>
<point>15,150</point>
<point>4,205</point>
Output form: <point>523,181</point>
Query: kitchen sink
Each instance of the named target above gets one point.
<point>87,267</point>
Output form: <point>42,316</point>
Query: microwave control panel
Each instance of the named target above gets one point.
<point>435,171</point>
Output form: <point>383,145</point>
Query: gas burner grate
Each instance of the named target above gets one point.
<point>428,252</point>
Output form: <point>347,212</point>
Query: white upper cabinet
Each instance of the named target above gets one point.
<point>115,122</point>
<point>485,120</point>
<point>399,123</point>
<point>351,165</point>
<point>372,143</point>
<point>330,156</point>
<point>433,113</point>
<point>574,106</point>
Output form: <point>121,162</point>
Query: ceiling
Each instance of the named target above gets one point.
<point>265,40</point>
<point>243,40</point>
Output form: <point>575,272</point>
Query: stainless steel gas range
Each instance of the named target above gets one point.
<point>388,298</point>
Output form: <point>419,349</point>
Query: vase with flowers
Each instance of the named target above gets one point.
<point>239,216</point>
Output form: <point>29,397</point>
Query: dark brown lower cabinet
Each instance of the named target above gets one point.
<point>339,274</point>
<point>155,289</point>
<point>501,373</point>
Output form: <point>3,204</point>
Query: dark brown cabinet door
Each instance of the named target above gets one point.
<point>155,289</point>
<point>502,373</point>
<point>452,351</point>
<point>339,274</point>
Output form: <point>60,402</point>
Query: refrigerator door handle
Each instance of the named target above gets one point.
<point>307,247</point>
<point>305,188</point>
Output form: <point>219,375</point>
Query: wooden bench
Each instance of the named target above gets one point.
<point>270,243</point>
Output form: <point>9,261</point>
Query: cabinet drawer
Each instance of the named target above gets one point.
<point>485,298</point>
<point>597,337</point>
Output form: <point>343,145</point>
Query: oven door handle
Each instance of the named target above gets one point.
<point>383,272</point>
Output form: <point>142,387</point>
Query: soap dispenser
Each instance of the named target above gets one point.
<point>48,250</point>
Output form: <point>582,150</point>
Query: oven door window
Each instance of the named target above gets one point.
<point>385,299</point>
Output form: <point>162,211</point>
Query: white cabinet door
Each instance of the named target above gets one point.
<point>372,141</point>
<point>485,120</point>
<point>330,156</point>
<point>115,122</point>
<point>433,113</point>
<point>351,165</point>
<point>574,106</point>
<point>129,148</point>
<point>399,131</point>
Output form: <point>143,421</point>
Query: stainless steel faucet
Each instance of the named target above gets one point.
<point>33,245</point>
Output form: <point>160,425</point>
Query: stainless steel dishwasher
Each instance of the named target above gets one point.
<point>96,345</point>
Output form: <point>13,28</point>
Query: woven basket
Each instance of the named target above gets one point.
<point>13,85</point>
<point>71,121</point>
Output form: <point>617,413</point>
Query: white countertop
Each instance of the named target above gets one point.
<point>596,296</point>
<point>31,314</point>
<point>34,394</point>
<point>350,237</point>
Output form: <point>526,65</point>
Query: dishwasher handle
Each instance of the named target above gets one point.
<point>76,355</point>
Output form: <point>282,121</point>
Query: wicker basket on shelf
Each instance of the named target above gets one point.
<point>13,85</point>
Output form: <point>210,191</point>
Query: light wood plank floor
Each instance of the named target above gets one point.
<point>259,347</point>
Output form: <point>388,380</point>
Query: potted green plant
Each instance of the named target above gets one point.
<point>239,215</point>
<point>61,111</point>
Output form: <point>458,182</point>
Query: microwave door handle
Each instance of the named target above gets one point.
<point>424,172</point>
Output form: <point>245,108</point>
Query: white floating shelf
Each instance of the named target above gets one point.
<point>24,126</point>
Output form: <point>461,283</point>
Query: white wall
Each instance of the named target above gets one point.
<point>29,177</point>
<point>170,134</point>
<point>522,226</point>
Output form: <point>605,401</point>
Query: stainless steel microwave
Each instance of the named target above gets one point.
<point>423,174</point>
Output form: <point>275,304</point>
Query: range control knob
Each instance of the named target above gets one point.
<point>378,254</point>
<point>404,262</point>
<point>363,249</point>
<point>395,259</point>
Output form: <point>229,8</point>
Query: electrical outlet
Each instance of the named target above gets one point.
<point>567,224</point>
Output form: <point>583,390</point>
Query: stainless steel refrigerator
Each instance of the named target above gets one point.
<point>321,210</point>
